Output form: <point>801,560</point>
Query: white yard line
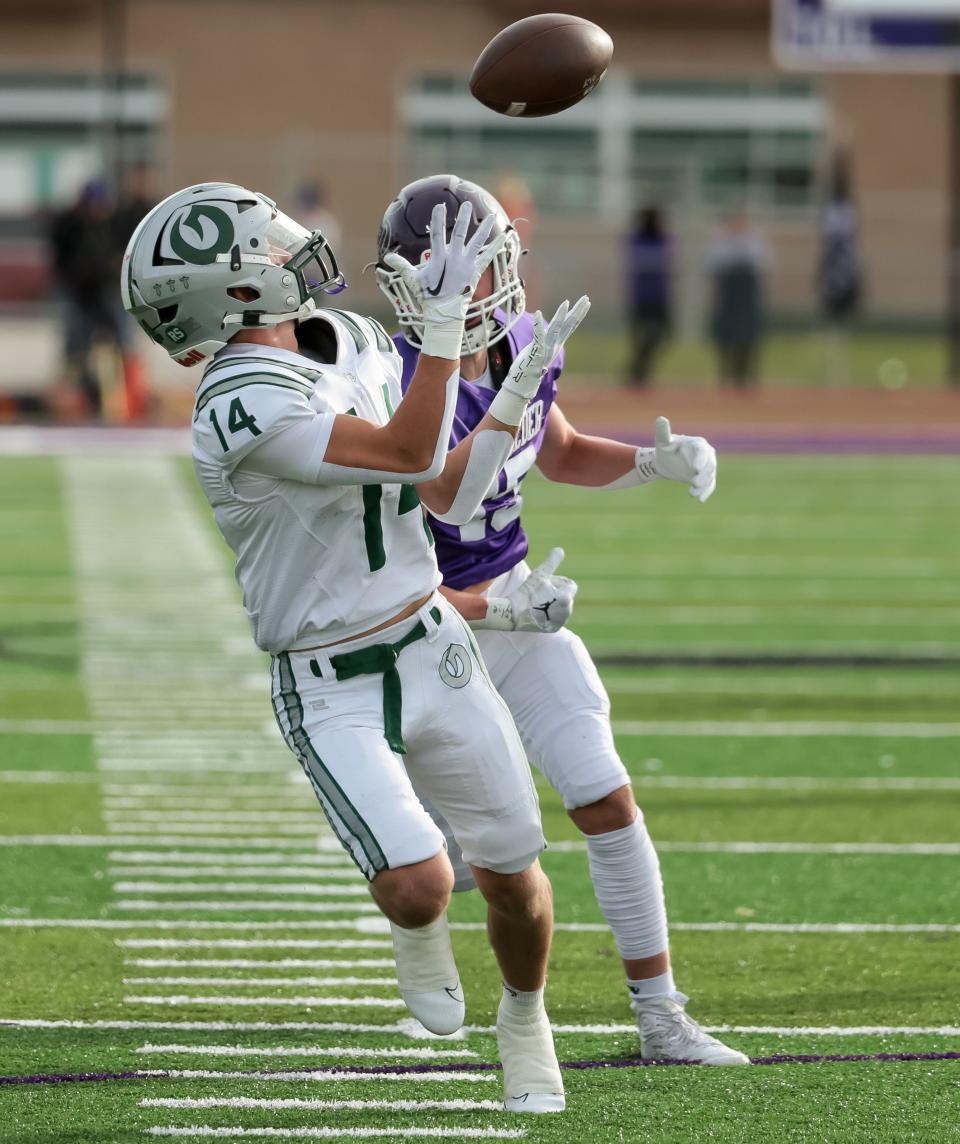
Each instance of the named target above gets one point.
<point>165,857</point>
<point>788,729</point>
<point>308,827</point>
<point>795,783</point>
<point>178,815</point>
<point>406,1028</point>
<point>249,943</point>
<point>238,841</point>
<point>257,963</point>
<point>901,849</point>
<point>49,777</point>
<point>292,1102</point>
<point>316,888</point>
<point>324,1075</point>
<point>245,982</point>
<point>267,1002</point>
<point>362,925</point>
<point>46,727</point>
<point>278,1103</point>
<point>345,1133</point>
<point>313,873</point>
<point>247,906</point>
<point>250,926</point>
<point>404,1053</point>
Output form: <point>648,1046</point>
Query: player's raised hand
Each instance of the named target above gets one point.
<point>689,459</point>
<point>544,601</point>
<point>452,271</point>
<point>547,342</point>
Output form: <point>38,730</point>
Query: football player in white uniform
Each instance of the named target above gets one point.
<point>312,460</point>
<point>543,671</point>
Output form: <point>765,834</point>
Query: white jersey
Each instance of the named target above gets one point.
<point>319,559</point>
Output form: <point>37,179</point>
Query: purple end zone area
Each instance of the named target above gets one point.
<point>415,1070</point>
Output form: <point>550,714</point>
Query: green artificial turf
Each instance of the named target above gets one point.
<point>794,557</point>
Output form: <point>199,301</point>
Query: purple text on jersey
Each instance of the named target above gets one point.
<point>494,541</point>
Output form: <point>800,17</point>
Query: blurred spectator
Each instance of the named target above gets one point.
<point>87,242</point>
<point>648,273</point>
<point>136,200</point>
<point>87,267</point>
<point>839,284</point>
<point>313,212</point>
<point>737,262</point>
<point>839,270</point>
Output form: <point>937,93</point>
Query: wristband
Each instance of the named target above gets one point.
<point>443,339</point>
<point>499,616</point>
<point>508,407</point>
<point>644,470</point>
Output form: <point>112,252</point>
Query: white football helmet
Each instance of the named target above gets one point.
<point>216,257</point>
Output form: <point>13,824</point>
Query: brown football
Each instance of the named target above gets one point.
<point>541,65</point>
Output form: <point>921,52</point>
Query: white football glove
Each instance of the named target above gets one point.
<point>689,459</point>
<point>443,284</point>
<point>532,362</point>
<point>542,603</point>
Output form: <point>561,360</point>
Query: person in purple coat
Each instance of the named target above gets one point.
<point>542,670</point>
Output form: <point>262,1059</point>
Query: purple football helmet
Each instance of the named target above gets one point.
<point>405,230</point>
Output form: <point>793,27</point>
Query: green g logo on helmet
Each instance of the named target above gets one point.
<point>200,234</point>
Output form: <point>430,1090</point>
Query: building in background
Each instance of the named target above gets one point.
<point>693,112</point>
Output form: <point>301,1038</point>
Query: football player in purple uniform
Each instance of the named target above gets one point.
<point>542,670</point>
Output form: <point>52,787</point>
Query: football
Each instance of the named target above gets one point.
<point>541,65</point>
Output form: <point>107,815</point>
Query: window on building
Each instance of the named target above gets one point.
<point>715,142</point>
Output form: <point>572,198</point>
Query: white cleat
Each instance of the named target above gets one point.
<point>667,1033</point>
<point>531,1074</point>
<point>427,974</point>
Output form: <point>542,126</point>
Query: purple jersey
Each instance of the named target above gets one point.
<point>494,540</point>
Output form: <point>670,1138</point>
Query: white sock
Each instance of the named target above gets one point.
<point>647,988</point>
<point>629,889</point>
<point>519,1001</point>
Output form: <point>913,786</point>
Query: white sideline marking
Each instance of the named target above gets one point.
<point>301,872</point>
<point>299,1002</point>
<point>738,728</point>
<point>245,906</point>
<point>196,1102</point>
<point>346,1133</point>
<point>247,981</point>
<point>256,963</point>
<point>310,888</point>
<point>796,782</point>
<point>405,1029</point>
<point>897,848</point>
<point>249,943</point>
<point>302,1051</point>
<point>321,1075</point>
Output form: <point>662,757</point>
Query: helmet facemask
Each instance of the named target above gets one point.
<point>404,230</point>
